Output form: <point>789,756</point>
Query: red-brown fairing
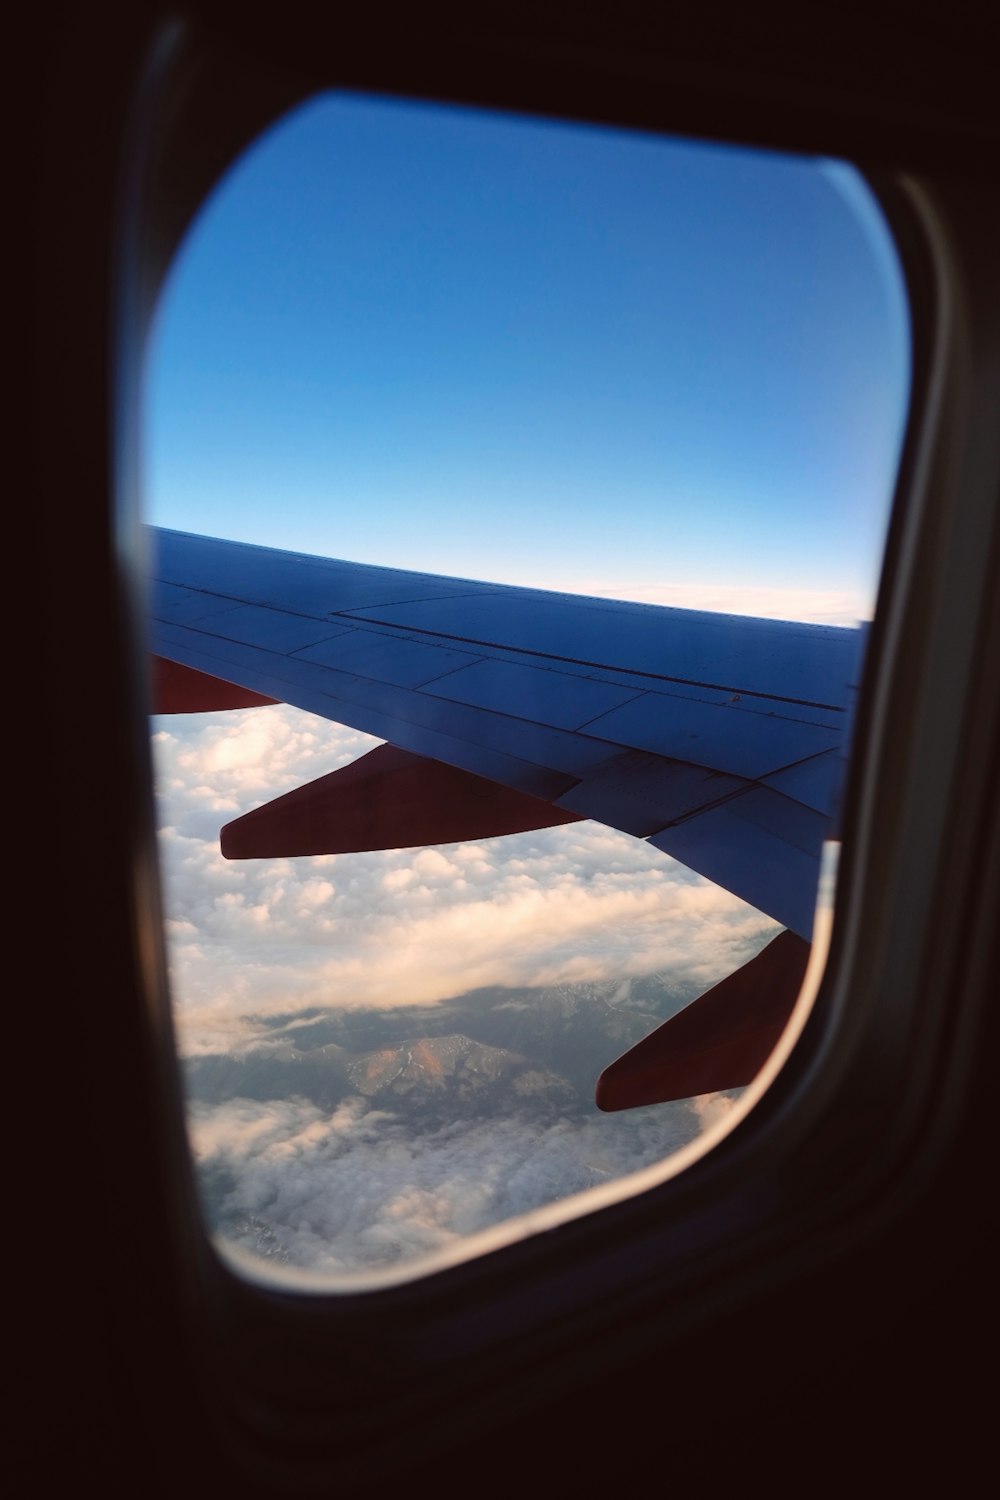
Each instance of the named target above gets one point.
<point>719,1041</point>
<point>387,799</point>
<point>177,689</point>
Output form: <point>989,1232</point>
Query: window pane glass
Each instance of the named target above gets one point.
<point>595,362</point>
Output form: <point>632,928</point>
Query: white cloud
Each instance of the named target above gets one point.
<point>711,1108</point>
<point>251,940</point>
<point>393,927</point>
<point>356,1189</point>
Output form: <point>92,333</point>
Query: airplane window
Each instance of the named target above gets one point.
<point>602,430</point>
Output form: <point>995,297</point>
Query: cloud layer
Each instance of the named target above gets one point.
<point>562,905</point>
<point>354,1191</point>
<point>252,942</point>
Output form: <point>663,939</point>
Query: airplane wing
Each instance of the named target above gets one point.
<point>720,739</point>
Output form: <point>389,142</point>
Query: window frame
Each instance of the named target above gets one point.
<point>850,1141</point>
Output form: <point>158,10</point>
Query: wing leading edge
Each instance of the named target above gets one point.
<point>720,739</point>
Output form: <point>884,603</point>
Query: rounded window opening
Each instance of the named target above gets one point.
<point>552,467</point>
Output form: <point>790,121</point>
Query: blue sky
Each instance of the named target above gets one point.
<point>537,353</point>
